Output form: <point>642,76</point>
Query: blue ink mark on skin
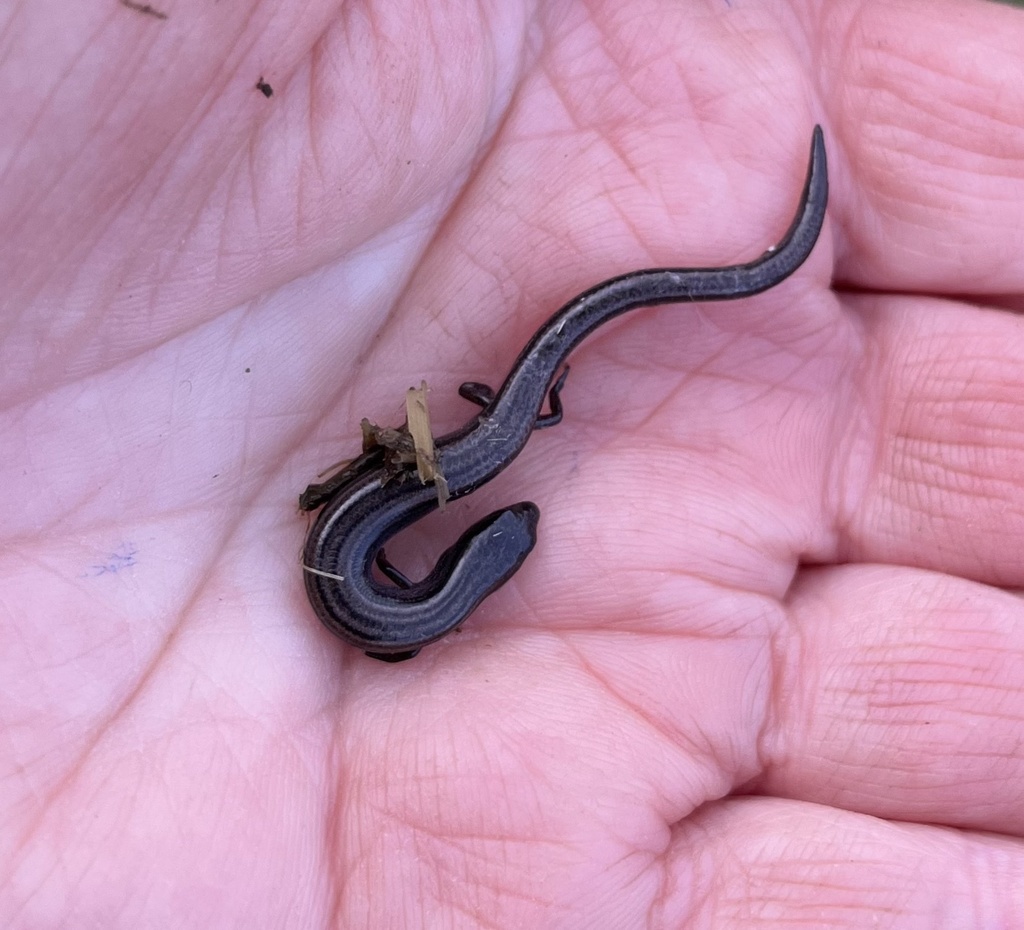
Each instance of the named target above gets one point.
<point>121,558</point>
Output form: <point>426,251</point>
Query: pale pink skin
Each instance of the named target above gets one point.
<point>764,667</point>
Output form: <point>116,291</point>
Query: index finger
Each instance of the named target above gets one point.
<point>928,145</point>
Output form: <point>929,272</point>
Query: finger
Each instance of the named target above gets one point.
<point>767,863</point>
<point>942,485</point>
<point>927,132</point>
<point>899,695</point>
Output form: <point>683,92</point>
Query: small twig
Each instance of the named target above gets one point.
<point>417,415</point>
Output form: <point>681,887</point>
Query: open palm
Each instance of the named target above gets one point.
<point>763,665</point>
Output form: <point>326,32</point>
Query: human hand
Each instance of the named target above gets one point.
<point>762,664</point>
